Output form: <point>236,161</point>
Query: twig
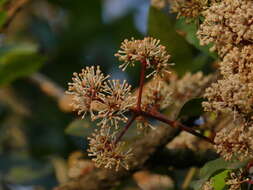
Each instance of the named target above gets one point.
<point>174,124</point>
<point>188,178</point>
<point>142,77</point>
<point>48,86</point>
<point>129,123</point>
<point>12,9</point>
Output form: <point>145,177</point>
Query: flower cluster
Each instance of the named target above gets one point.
<point>230,95</point>
<point>236,179</point>
<point>188,8</point>
<point>106,152</point>
<point>156,95</point>
<point>227,24</point>
<point>147,50</point>
<point>235,142</point>
<point>208,185</point>
<point>106,101</point>
<point>86,89</point>
<point>190,85</point>
<point>116,101</point>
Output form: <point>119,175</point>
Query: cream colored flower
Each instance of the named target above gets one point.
<point>188,8</point>
<point>227,24</point>
<point>86,89</point>
<point>147,50</point>
<point>235,142</point>
<point>106,153</point>
<point>117,100</point>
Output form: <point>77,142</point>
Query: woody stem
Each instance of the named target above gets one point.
<point>129,123</point>
<point>141,84</point>
<point>160,117</point>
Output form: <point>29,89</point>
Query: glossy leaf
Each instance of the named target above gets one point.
<point>189,30</point>
<point>219,180</point>
<point>214,168</point>
<point>18,61</point>
<point>161,26</point>
<point>81,128</point>
<point>192,108</point>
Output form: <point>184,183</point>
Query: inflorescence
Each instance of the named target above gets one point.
<point>107,101</point>
<point>147,50</point>
<point>228,26</point>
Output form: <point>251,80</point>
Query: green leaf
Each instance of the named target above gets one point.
<point>21,174</point>
<point>218,181</point>
<point>3,17</point>
<point>208,171</point>
<point>215,167</point>
<point>18,61</point>
<point>190,30</point>
<point>192,108</point>
<point>161,26</point>
<point>2,2</point>
<point>81,128</point>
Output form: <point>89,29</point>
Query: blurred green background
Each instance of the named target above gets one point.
<point>56,38</point>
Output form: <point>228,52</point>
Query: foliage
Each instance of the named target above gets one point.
<point>46,41</point>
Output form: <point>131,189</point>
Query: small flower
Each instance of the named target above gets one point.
<point>86,89</point>
<point>236,179</point>
<point>238,61</point>
<point>143,125</point>
<point>106,152</point>
<point>208,185</point>
<point>147,50</point>
<point>230,95</point>
<point>156,94</point>
<point>234,142</point>
<point>116,101</point>
<point>227,24</point>
<point>188,8</point>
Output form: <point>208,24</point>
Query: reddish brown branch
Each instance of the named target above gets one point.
<point>160,117</point>
<point>138,107</point>
<point>129,123</point>
<point>12,8</point>
<point>154,113</point>
<point>142,78</point>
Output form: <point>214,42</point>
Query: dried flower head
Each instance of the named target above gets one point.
<point>227,24</point>
<point>86,89</point>
<point>117,100</point>
<point>235,142</point>
<point>106,152</point>
<point>147,50</point>
<point>188,8</point>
